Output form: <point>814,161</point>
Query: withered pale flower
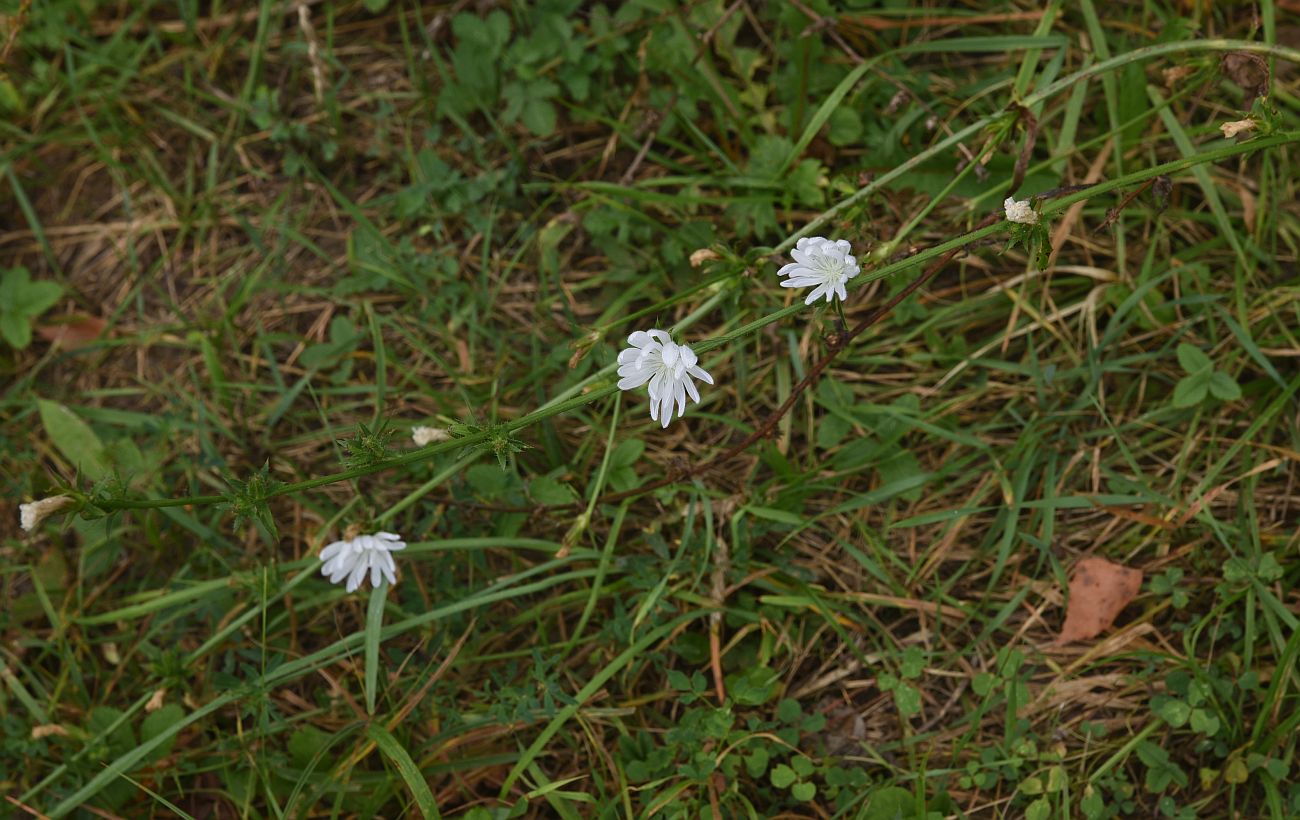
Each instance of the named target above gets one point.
<point>31,515</point>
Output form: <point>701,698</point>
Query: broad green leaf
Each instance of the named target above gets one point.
<point>803,766</point>
<point>103,717</point>
<point>16,329</point>
<point>983,683</point>
<point>74,439</point>
<point>155,724</point>
<point>908,699</point>
<point>1093,805</point>
<point>1223,387</point>
<point>782,776</point>
<point>1191,390</point>
<point>846,127</point>
<point>1204,722</point>
<point>344,338</point>
<point>913,665</point>
<point>754,686</point>
<point>831,430</point>
<point>678,680</point>
<point>12,283</point>
<point>37,298</point>
<point>1173,711</point>
<point>539,116</point>
<point>890,803</point>
<point>1236,772</point>
<point>1193,359</point>
<point>488,481</point>
<point>547,490</point>
<point>304,743</point>
<point>788,711</point>
<point>627,452</point>
<point>11,102</point>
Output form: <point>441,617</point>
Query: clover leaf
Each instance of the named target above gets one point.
<point>21,301</point>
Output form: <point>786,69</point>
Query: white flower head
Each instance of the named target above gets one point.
<point>819,261</point>
<point>353,558</point>
<point>31,515</point>
<point>668,368</point>
<point>428,435</point>
<point>1021,212</point>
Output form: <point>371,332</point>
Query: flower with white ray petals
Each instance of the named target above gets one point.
<point>353,558</point>
<point>666,367</point>
<point>821,264</point>
<point>1021,212</point>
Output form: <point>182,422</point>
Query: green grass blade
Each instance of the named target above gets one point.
<point>374,627</point>
<point>399,757</point>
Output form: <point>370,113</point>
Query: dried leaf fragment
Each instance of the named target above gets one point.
<point>72,332</point>
<point>699,257</point>
<point>1099,591</point>
<point>156,700</point>
<point>48,730</point>
<point>1161,190</point>
<point>1174,76</point>
<point>1232,129</point>
<point>1249,72</point>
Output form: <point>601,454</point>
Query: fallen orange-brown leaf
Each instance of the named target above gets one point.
<point>72,332</point>
<point>1099,591</point>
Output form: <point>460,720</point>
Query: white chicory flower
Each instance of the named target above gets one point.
<point>822,263</point>
<point>428,435</point>
<point>31,515</point>
<point>1020,212</point>
<point>666,366</point>
<point>353,558</point>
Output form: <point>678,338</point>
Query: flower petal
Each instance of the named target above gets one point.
<point>701,374</point>
<point>690,388</point>
<point>355,577</point>
<point>333,549</point>
<point>803,281</point>
<point>634,381</point>
<point>657,384</point>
